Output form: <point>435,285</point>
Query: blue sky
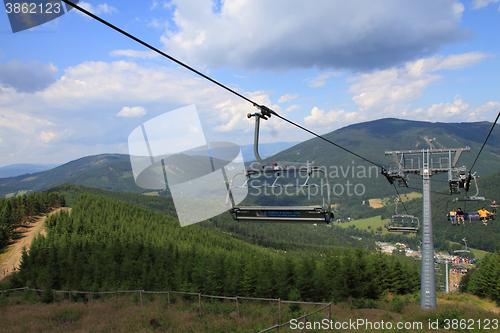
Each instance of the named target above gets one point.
<point>73,87</point>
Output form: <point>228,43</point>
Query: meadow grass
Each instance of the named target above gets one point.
<point>21,312</point>
<point>372,222</point>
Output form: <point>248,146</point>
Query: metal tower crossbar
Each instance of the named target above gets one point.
<point>426,163</point>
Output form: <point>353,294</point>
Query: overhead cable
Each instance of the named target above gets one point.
<point>265,110</point>
<point>484,143</point>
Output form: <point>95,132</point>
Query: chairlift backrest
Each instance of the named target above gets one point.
<point>402,223</point>
<point>297,214</point>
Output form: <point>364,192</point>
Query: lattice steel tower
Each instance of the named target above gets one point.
<point>426,163</point>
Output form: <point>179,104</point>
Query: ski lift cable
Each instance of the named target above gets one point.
<point>400,199</point>
<point>484,143</point>
<point>265,110</point>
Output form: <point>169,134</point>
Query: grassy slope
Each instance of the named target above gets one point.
<point>126,314</point>
<point>372,222</point>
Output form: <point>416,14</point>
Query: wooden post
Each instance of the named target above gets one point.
<point>279,311</point>
<point>199,302</point>
<point>89,296</point>
<point>116,295</point>
<point>140,292</point>
<point>305,321</point>
<point>69,292</point>
<point>54,293</point>
<point>237,306</point>
<point>168,298</point>
<point>330,312</point>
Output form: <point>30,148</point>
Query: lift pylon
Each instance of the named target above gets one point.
<point>427,162</point>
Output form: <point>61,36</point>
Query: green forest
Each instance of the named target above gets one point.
<point>116,240</point>
<point>106,245</point>
<point>22,208</point>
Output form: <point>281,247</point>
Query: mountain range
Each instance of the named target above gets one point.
<point>14,170</point>
<point>369,140</point>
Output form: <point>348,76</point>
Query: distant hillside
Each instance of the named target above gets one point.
<point>107,171</point>
<point>369,139</point>
<point>372,139</point>
<point>14,170</point>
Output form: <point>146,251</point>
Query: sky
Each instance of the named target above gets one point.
<point>73,87</point>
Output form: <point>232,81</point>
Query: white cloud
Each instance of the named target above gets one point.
<point>442,111</point>
<point>485,112</point>
<point>154,5</point>
<point>334,119</point>
<point>482,3</point>
<point>232,114</point>
<point>76,115</point>
<point>47,136</point>
<point>359,35</point>
<point>20,122</point>
<point>287,97</point>
<point>134,54</point>
<point>292,108</point>
<point>99,9</point>
<point>156,23</point>
<point>321,79</point>
<point>136,111</point>
<point>387,93</point>
<point>458,111</point>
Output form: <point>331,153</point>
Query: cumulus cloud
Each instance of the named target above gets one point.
<point>388,91</point>
<point>28,78</point>
<point>443,111</point>
<point>154,5</point>
<point>136,111</point>
<point>292,108</point>
<point>134,54</point>
<point>476,4</point>
<point>333,119</point>
<point>83,111</point>
<point>156,23</point>
<point>287,97</point>
<point>99,9</point>
<point>360,35</point>
<point>47,136</point>
<point>485,112</point>
<point>459,110</point>
<point>321,79</point>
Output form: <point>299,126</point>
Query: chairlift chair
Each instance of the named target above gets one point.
<point>472,216</point>
<point>464,250</point>
<point>294,214</point>
<point>402,223</point>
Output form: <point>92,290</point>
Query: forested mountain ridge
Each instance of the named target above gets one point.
<point>369,139</point>
<point>372,139</point>
<point>281,236</point>
<point>108,171</point>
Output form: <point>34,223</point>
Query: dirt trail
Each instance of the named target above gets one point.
<point>14,257</point>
